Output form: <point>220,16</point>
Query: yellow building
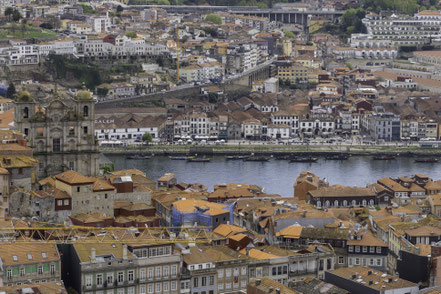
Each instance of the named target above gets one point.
<point>287,47</point>
<point>292,72</point>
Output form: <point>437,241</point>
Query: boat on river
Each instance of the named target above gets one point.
<point>426,160</point>
<point>384,157</point>
<point>303,159</point>
<point>178,157</point>
<point>257,158</point>
<point>198,159</point>
<point>337,157</point>
<point>138,157</point>
<point>236,157</point>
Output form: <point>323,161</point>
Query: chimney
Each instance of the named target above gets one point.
<point>124,252</point>
<point>258,282</point>
<point>93,255</point>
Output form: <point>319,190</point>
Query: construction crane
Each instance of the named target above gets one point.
<point>65,234</point>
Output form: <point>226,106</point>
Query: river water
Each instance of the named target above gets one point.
<point>278,176</point>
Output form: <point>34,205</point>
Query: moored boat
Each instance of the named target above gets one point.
<point>337,157</point>
<point>198,159</point>
<point>178,157</point>
<point>303,159</point>
<point>426,160</point>
<point>236,157</point>
<point>384,157</point>
<point>257,158</point>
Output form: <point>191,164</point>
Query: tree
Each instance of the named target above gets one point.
<point>102,91</point>
<point>8,12</point>
<point>147,138</point>
<point>108,168</point>
<point>214,18</point>
<point>10,92</point>
<point>289,34</point>
<point>46,25</point>
<point>212,97</point>
<point>351,21</point>
<point>131,35</point>
<point>119,9</point>
<point>16,15</point>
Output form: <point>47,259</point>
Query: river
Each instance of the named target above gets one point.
<point>278,176</point>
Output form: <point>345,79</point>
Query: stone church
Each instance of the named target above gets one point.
<point>61,133</point>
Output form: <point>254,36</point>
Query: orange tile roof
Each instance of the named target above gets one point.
<point>291,232</point>
<point>73,178</point>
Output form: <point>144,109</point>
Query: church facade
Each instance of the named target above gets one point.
<point>61,134</point>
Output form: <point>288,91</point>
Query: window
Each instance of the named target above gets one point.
<point>364,249</point>
<point>211,281</point>
<point>26,112</point>
<point>357,261</point>
<point>220,273</point>
<point>52,269</point>
<point>371,249</point>
<point>9,274</point>
<point>378,249</point>
<point>173,285</point>
<point>341,260</point>
<point>150,288</point>
<point>56,145</point>
<point>142,289</point>
<point>22,272</point>
<point>351,248</point>
<point>78,189</point>
<point>66,202</point>
<point>165,287</point>
<point>110,278</point>
<point>88,281</point>
<point>86,111</point>
<point>59,202</point>
<point>40,269</point>
<point>196,282</point>
<point>371,261</point>
<point>165,271</point>
<point>357,248</point>
<point>158,287</point>
<point>150,273</point>
<point>220,286</point>
<point>158,272</point>
<point>142,274</point>
<point>85,130</point>
<point>131,276</point>
<point>379,262</point>
<point>71,131</point>
<point>120,277</point>
<point>228,286</point>
<point>204,281</point>
<point>228,272</point>
<point>131,290</point>
<point>99,280</point>
<point>174,270</point>
<point>120,291</point>
<point>20,170</point>
<point>244,270</point>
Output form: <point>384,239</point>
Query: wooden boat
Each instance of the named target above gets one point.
<point>384,157</point>
<point>236,157</point>
<point>257,158</point>
<point>283,157</point>
<point>303,159</point>
<point>337,157</point>
<point>138,157</point>
<point>426,160</point>
<point>178,157</point>
<point>198,159</point>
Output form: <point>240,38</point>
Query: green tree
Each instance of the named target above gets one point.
<point>108,168</point>
<point>289,34</point>
<point>214,18</point>
<point>8,12</point>
<point>351,21</point>
<point>102,91</point>
<point>131,35</point>
<point>212,97</point>
<point>10,92</point>
<point>16,15</point>
<point>147,138</point>
<point>262,5</point>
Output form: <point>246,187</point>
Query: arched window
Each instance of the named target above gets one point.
<point>371,202</point>
<point>85,111</point>
<point>364,202</point>
<point>327,203</point>
<point>345,203</point>
<point>319,204</point>
<point>26,112</point>
<point>336,203</point>
<point>354,203</point>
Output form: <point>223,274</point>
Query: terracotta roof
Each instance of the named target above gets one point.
<point>291,232</point>
<point>367,239</point>
<point>342,191</point>
<point>227,230</point>
<point>266,284</point>
<point>17,254</point>
<point>192,205</point>
<point>74,178</point>
<point>424,231</point>
<point>378,278</point>
<point>101,184</point>
<point>41,288</point>
<point>84,250</point>
<point>258,254</point>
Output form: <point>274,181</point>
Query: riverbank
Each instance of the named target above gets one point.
<point>356,150</point>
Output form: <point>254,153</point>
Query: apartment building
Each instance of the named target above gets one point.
<point>29,264</point>
<point>95,268</point>
<point>158,268</point>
